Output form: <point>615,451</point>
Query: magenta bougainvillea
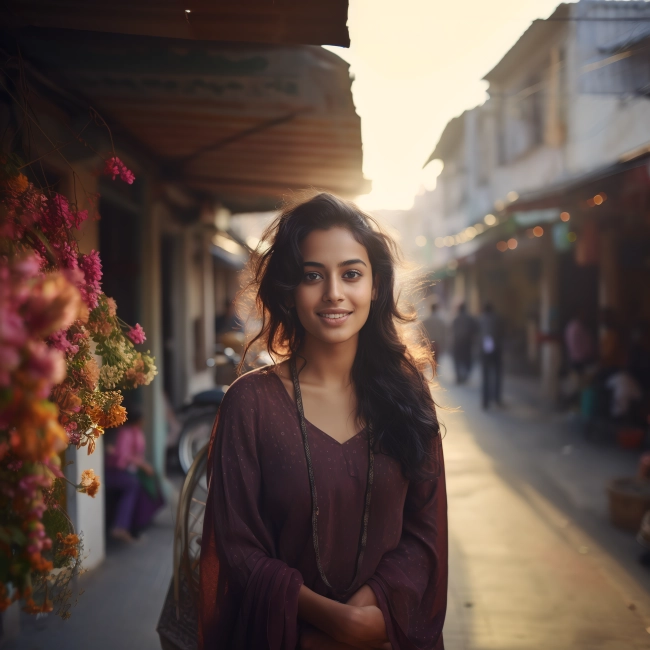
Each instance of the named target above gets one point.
<point>65,358</point>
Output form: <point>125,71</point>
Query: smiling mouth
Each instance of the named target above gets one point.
<point>337,316</point>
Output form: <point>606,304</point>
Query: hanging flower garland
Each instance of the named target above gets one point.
<point>55,389</point>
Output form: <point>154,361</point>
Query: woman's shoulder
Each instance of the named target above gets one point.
<point>253,386</point>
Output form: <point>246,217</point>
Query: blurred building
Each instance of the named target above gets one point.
<point>543,204</point>
<point>210,129</point>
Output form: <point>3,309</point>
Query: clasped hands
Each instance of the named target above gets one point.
<point>356,625</point>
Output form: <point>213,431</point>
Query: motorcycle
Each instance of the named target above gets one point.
<point>199,415</point>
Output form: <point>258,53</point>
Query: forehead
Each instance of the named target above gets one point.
<point>332,246</point>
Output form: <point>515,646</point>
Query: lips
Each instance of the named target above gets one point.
<point>337,316</point>
<point>334,317</point>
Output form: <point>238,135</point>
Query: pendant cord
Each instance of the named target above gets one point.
<point>363,537</point>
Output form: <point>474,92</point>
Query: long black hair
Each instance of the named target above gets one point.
<point>393,395</point>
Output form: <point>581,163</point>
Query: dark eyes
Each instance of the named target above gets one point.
<point>312,276</point>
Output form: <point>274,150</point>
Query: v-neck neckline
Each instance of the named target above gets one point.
<point>311,424</point>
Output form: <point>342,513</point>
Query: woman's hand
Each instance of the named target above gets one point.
<point>313,639</point>
<point>359,626</point>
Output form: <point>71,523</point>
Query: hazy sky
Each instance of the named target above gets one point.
<point>417,64</point>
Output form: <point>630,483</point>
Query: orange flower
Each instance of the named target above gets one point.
<point>66,399</point>
<point>17,184</point>
<point>107,411</point>
<point>90,374</point>
<point>70,544</point>
<point>89,483</point>
<point>40,564</point>
<point>112,306</point>
<point>38,436</point>
<point>54,304</point>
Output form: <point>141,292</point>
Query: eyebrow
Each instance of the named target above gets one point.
<point>346,263</point>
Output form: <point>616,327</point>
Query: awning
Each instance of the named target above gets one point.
<point>314,22</point>
<point>556,194</point>
<point>248,124</point>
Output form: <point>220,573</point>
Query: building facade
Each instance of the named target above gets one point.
<point>541,206</point>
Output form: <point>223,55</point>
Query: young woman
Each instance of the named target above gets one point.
<point>326,523</point>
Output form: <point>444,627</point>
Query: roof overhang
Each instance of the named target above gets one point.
<point>529,43</point>
<point>319,22</point>
<point>559,194</point>
<point>449,140</point>
<point>244,123</point>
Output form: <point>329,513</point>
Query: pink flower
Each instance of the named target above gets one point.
<point>115,167</point>
<point>91,267</point>
<point>136,334</point>
<point>9,361</point>
<point>29,266</point>
<point>74,438</point>
<point>12,327</point>
<point>61,213</point>
<point>45,363</point>
<point>60,341</point>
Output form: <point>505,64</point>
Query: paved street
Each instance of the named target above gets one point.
<point>534,561</point>
<point>535,564</point>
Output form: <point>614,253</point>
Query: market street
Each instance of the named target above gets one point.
<point>534,563</point>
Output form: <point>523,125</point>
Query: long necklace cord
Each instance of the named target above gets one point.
<point>363,537</point>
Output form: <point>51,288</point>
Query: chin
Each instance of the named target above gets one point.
<point>334,337</point>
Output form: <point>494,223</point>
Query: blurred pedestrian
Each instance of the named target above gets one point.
<point>491,341</point>
<point>579,344</point>
<point>133,479</point>
<point>436,329</point>
<point>611,352</point>
<point>463,333</point>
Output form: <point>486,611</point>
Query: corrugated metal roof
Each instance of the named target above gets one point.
<point>247,123</point>
<point>321,22</point>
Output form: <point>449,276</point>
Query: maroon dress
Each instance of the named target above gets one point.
<point>257,546</point>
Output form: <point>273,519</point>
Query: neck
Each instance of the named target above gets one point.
<point>328,364</point>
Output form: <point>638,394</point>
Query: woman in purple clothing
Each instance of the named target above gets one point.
<point>132,478</point>
<point>326,522</point>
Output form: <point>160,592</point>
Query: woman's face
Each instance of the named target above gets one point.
<point>333,300</point>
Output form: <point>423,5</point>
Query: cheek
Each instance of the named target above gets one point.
<point>361,293</point>
<point>304,297</point>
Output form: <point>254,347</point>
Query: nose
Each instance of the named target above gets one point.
<point>333,290</point>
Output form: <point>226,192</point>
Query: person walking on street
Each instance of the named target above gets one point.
<point>463,332</point>
<point>436,329</point>
<point>491,340</point>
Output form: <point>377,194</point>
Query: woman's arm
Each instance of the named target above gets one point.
<point>357,625</point>
<point>313,639</point>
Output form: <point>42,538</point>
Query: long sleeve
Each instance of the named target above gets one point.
<point>410,582</point>
<point>249,599</point>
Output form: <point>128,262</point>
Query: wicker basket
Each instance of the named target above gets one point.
<point>629,499</point>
